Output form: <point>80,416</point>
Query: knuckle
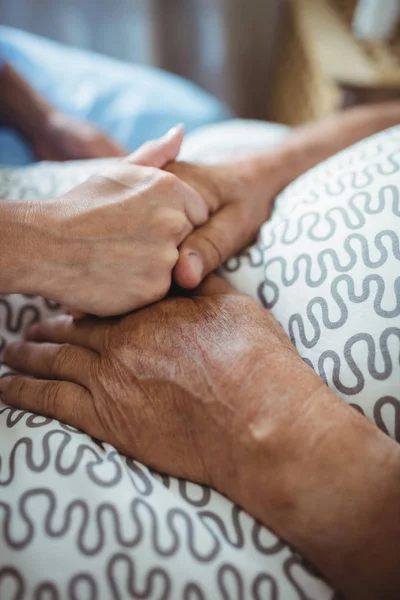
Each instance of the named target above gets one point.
<point>16,388</point>
<point>175,222</point>
<point>50,397</point>
<point>166,183</point>
<point>169,257</point>
<point>215,241</point>
<point>62,356</point>
<point>167,222</point>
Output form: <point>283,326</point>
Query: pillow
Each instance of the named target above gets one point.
<point>80,521</point>
<point>329,271</point>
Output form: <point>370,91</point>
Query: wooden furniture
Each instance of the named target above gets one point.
<point>321,66</point>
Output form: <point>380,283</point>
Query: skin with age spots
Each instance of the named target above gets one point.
<point>209,388</point>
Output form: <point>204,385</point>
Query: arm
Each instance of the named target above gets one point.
<point>120,229</point>
<point>21,106</point>
<point>242,192</point>
<point>52,134</point>
<point>311,144</point>
<point>242,413</point>
<point>328,482</point>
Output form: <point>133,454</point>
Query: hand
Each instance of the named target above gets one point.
<point>239,204</point>
<point>109,245</point>
<point>209,388</point>
<point>189,373</point>
<point>63,137</point>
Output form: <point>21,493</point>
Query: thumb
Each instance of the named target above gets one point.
<point>209,246</point>
<point>158,153</point>
<point>214,285</point>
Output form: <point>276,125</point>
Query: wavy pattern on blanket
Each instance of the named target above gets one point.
<point>78,515</point>
<point>381,406</point>
<point>13,416</point>
<point>371,158</point>
<point>120,530</point>
<point>328,260</point>
<point>338,262</point>
<point>156,585</point>
<point>339,303</point>
<point>360,368</point>
<point>319,225</point>
<point>67,447</point>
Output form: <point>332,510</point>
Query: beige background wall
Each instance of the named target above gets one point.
<point>228,46</point>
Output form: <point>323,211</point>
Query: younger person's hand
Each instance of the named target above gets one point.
<point>109,245</point>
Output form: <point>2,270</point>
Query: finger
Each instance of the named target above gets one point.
<point>90,333</point>
<point>211,245</point>
<point>201,178</point>
<point>158,153</point>
<point>214,285</point>
<point>52,361</point>
<point>194,207</point>
<point>59,400</point>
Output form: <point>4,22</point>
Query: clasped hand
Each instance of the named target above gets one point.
<point>113,243</point>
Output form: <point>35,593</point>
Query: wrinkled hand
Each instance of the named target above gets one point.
<point>110,244</point>
<point>65,138</point>
<point>210,389</point>
<point>238,204</point>
<point>177,385</point>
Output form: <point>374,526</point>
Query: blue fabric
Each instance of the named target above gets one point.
<point>132,103</point>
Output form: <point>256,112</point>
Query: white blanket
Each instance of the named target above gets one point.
<point>79,521</point>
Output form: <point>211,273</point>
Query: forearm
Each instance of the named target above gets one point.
<point>309,145</point>
<point>328,482</point>
<point>21,106</point>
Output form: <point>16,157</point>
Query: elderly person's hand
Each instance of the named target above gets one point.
<point>210,388</point>
<point>63,137</point>
<point>53,134</point>
<point>240,192</point>
<point>109,245</point>
<point>192,371</point>
<point>240,196</point>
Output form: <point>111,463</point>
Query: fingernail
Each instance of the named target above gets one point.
<point>196,265</point>
<point>174,130</point>
<point>5,382</point>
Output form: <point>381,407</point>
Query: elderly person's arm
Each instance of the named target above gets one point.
<point>109,245</point>
<point>52,134</point>
<point>210,388</point>
<point>241,192</point>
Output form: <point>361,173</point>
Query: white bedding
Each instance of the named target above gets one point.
<point>79,521</point>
